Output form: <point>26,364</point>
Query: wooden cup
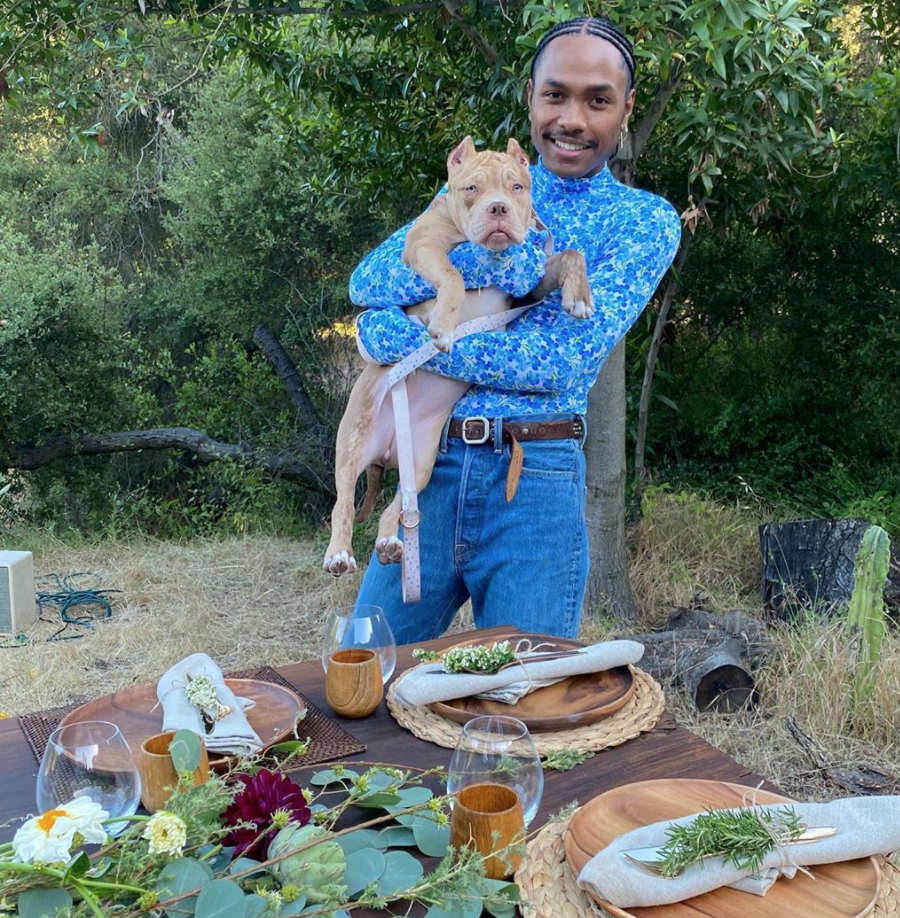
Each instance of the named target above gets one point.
<point>488,818</point>
<point>158,775</point>
<point>353,683</point>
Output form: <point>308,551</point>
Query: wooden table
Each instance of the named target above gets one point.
<point>668,752</point>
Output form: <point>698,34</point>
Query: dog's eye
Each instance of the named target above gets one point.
<point>472,189</point>
<point>518,187</point>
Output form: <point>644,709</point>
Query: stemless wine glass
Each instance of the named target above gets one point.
<point>90,758</point>
<point>361,628</point>
<point>498,750</point>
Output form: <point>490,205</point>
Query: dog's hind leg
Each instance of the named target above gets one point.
<point>388,547</point>
<point>354,450</point>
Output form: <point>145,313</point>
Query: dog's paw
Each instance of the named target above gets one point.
<point>341,562</point>
<point>579,308</point>
<point>389,551</point>
<point>443,339</point>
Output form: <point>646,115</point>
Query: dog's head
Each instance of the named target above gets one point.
<point>489,194</point>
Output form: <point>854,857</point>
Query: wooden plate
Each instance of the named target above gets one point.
<point>136,712</point>
<point>573,702</point>
<point>844,890</point>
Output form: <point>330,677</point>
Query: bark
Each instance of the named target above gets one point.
<point>808,564</point>
<point>281,465</point>
<point>659,328</point>
<point>474,36</point>
<point>609,590</point>
<point>274,352</point>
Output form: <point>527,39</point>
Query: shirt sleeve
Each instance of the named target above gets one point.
<point>556,355</point>
<point>382,280</point>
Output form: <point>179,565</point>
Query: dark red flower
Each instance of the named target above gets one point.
<point>263,795</point>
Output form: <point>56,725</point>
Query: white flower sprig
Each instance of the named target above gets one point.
<point>48,838</point>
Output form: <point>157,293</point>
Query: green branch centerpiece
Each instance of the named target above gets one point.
<point>252,843</point>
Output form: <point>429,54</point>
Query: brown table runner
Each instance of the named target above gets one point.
<point>328,740</point>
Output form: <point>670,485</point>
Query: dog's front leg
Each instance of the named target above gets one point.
<point>430,260</point>
<point>567,270</point>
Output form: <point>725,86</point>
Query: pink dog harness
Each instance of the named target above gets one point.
<point>409,515</point>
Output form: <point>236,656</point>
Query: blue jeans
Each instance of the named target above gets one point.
<point>523,563</point>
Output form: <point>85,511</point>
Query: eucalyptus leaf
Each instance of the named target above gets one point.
<point>220,899</point>
<point>184,750</point>
<point>379,801</point>
<point>431,839</point>
<point>244,863</point>
<point>401,871</point>
<point>364,866</point>
<point>254,905</point>
<point>37,903</point>
<point>330,776</point>
<point>178,877</point>
<point>411,796</point>
<point>353,841</point>
<point>395,837</point>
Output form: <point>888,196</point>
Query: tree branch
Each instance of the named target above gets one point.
<point>274,352</point>
<point>655,110</point>
<point>477,39</point>
<point>28,458</point>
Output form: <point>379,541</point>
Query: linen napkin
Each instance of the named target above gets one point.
<point>232,734</point>
<point>865,826</point>
<point>429,683</point>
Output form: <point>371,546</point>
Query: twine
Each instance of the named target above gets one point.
<point>548,887</point>
<point>639,715</point>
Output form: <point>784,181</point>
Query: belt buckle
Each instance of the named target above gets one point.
<point>476,441</point>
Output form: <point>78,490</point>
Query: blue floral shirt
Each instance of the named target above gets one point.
<point>545,362</point>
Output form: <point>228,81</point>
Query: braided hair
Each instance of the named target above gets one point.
<point>588,25</point>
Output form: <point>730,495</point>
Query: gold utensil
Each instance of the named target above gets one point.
<point>651,859</point>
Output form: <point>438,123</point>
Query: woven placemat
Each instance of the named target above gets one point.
<point>638,716</point>
<point>548,888</point>
<point>328,740</point>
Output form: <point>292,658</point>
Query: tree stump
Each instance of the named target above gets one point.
<point>809,564</point>
<point>709,655</point>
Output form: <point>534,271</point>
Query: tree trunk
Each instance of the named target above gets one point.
<point>609,590</point>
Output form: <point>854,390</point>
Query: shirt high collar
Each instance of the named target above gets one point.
<point>548,182</point>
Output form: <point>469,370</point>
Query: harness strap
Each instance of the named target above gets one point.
<point>409,515</point>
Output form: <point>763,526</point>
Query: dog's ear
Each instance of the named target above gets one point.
<point>458,156</point>
<point>516,152</point>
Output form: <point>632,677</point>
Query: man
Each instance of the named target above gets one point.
<point>525,561</point>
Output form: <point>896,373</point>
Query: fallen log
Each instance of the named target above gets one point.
<point>710,655</point>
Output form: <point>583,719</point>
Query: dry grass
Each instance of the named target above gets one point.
<point>263,600</point>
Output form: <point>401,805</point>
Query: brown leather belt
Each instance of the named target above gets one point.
<point>479,430</point>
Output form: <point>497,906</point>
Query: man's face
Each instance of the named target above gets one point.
<point>578,103</point>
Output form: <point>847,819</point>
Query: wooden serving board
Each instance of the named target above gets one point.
<point>138,714</point>
<point>576,701</point>
<point>844,890</point>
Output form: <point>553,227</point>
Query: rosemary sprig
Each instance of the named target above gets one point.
<point>742,837</point>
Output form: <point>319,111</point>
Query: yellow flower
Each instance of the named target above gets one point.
<point>167,833</point>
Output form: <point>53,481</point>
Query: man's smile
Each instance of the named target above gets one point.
<point>570,146</point>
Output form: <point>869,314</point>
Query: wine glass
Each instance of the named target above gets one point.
<point>361,628</point>
<point>90,758</point>
<point>498,750</point>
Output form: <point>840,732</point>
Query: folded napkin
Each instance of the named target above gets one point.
<point>865,826</point>
<point>232,734</point>
<point>429,683</point>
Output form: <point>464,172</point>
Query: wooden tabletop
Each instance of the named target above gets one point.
<point>667,752</point>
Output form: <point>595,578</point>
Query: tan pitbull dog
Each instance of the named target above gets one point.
<point>488,202</point>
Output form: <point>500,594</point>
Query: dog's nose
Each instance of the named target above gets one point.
<point>498,209</point>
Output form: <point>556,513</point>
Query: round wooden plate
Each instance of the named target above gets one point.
<point>575,701</point>
<point>137,713</point>
<point>843,890</point>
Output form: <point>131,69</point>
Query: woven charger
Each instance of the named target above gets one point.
<point>638,716</point>
<point>548,888</point>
